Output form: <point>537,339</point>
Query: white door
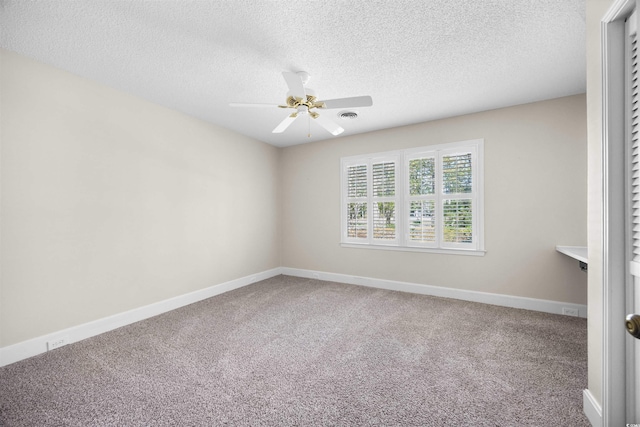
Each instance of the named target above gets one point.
<point>632,294</point>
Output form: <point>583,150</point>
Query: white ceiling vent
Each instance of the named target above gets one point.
<point>348,115</point>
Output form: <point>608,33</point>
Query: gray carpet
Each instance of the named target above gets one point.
<point>291,351</point>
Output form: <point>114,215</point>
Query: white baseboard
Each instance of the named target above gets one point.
<point>38,345</point>
<point>591,409</point>
<point>35,346</point>
<point>545,306</point>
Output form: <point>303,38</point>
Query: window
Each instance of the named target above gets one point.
<point>372,199</point>
<point>422,199</point>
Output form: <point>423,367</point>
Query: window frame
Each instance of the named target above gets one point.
<point>403,199</point>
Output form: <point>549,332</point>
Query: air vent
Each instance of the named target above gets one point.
<point>348,115</point>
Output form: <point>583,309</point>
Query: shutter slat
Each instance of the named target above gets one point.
<point>384,179</point>
<point>457,174</point>
<point>634,81</point>
<point>357,181</point>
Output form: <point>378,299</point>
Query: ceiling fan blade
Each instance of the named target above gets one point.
<point>294,82</point>
<point>329,125</point>
<point>356,101</point>
<point>285,123</point>
<point>242,104</point>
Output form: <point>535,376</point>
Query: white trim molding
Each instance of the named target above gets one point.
<point>614,273</point>
<point>468,252</point>
<point>38,345</point>
<point>591,409</point>
<point>545,306</point>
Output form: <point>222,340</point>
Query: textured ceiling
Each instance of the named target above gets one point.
<point>419,60</point>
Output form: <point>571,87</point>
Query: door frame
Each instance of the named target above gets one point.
<point>614,248</point>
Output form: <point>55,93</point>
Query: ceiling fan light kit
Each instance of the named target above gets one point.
<point>304,100</point>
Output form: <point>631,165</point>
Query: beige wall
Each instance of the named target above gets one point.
<point>535,199</point>
<point>110,203</point>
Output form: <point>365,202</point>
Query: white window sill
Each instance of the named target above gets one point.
<point>468,252</point>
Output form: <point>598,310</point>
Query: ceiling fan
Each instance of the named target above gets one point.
<point>304,101</point>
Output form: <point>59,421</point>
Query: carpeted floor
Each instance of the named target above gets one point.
<point>292,351</point>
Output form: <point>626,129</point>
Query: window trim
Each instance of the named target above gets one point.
<point>402,199</point>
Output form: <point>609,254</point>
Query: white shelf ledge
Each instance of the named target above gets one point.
<point>575,252</point>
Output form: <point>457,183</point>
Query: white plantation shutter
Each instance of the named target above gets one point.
<point>442,198</point>
<point>422,222</point>
<point>421,199</point>
<point>383,200</point>
<point>456,174</point>
<point>384,179</point>
<point>357,227</point>
<point>457,201</point>
<point>458,221</point>
<point>370,201</point>
<point>357,223</point>
<point>357,178</point>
